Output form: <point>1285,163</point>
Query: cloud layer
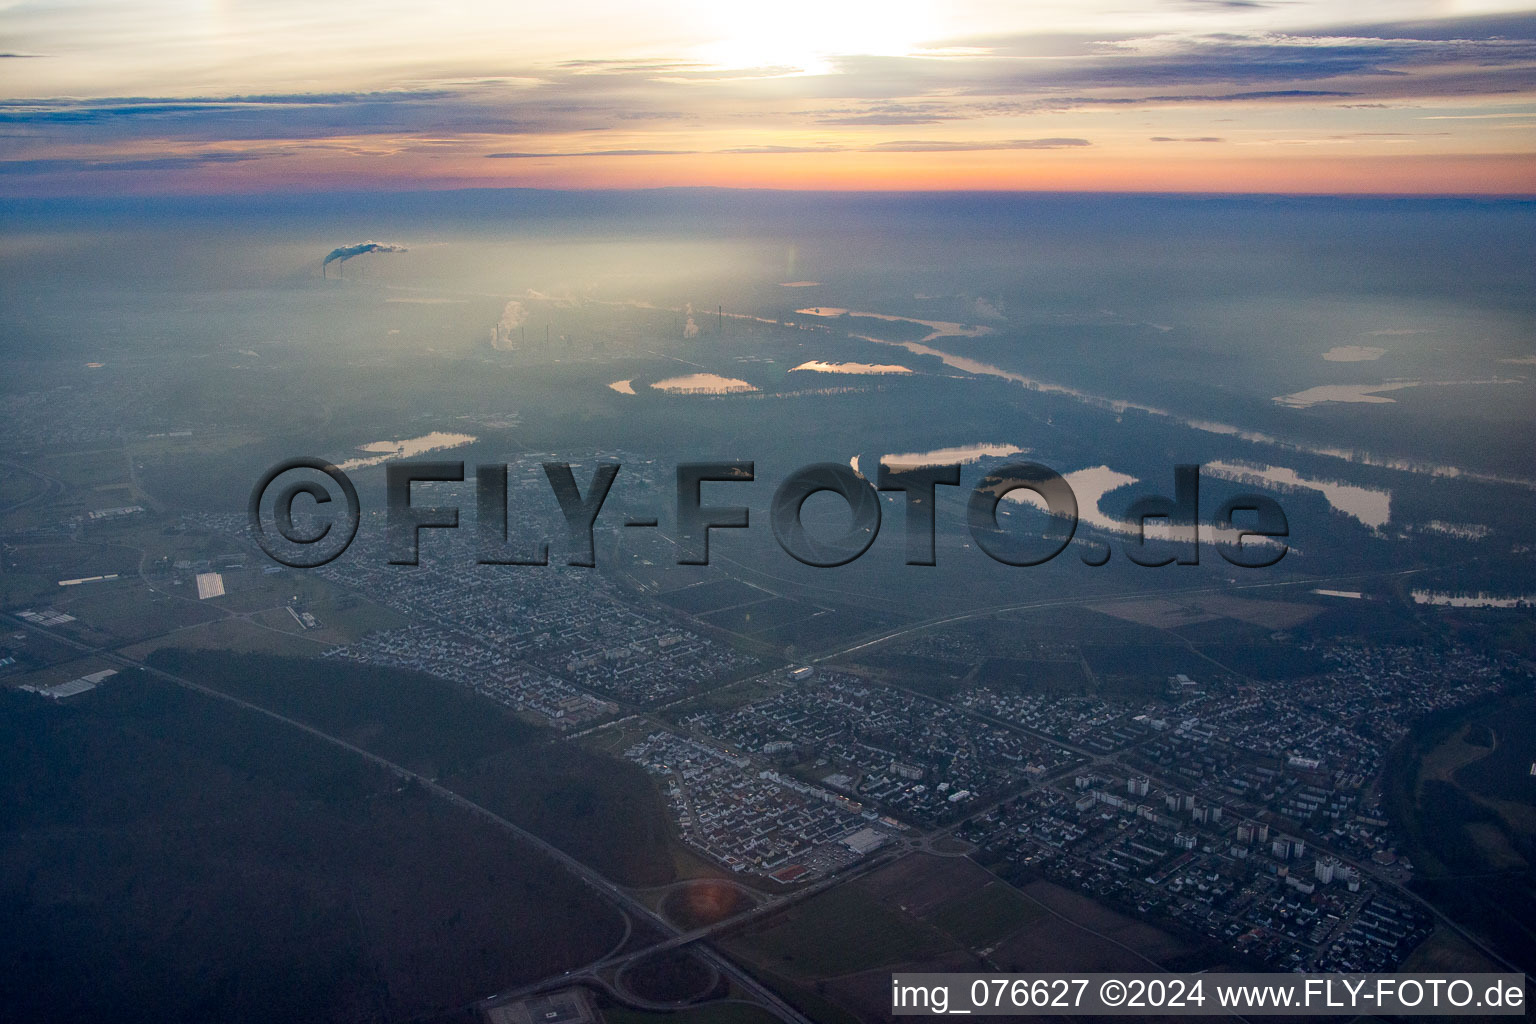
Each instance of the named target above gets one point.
<point>981,107</point>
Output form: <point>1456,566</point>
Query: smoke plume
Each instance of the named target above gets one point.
<point>512,317</point>
<point>346,252</point>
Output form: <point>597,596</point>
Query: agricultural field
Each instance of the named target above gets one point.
<point>839,948</point>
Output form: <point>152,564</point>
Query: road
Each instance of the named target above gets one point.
<point>1061,602</point>
<point>632,906</point>
<point>611,891</point>
<point>768,907</point>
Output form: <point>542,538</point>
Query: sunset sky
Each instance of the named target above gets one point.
<point>105,97</point>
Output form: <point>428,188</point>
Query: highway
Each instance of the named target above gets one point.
<point>629,904</point>
<point>620,897</point>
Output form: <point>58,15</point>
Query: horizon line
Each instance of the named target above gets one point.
<point>373,191</point>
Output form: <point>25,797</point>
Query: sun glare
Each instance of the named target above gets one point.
<point>805,35</point>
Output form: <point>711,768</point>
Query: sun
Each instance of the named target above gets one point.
<point>802,36</point>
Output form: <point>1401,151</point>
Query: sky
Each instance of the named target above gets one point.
<point>114,97</point>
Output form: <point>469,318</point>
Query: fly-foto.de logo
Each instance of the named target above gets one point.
<point>1247,530</point>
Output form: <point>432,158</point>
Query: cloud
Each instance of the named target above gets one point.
<point>1231,4</point>
<point>1459,58</point>
<point>593,152</point>
<point>82,165</point>
<point>850,120</point>
<point>497,107</point>
<point>58,110</point>
<point>947,146</point>
<point>894,146</point>
<point>890,113</point>
<point>1065,103</point>
<point>1238,97</point>
<point>730,74</point>
<point>1475,117</point>
<point>743,150</point>
<point>1201,138</point>
<point>1035,72</point>
<point>1519,26</point>
<point>629,67</point>
<point>601,107</point>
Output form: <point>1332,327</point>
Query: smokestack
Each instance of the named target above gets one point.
<point>720,319</point>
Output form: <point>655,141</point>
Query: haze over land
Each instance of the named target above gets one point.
<point>1272,266</point>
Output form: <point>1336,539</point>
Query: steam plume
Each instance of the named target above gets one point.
<point>346,252</point>
<point>512,317</point>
